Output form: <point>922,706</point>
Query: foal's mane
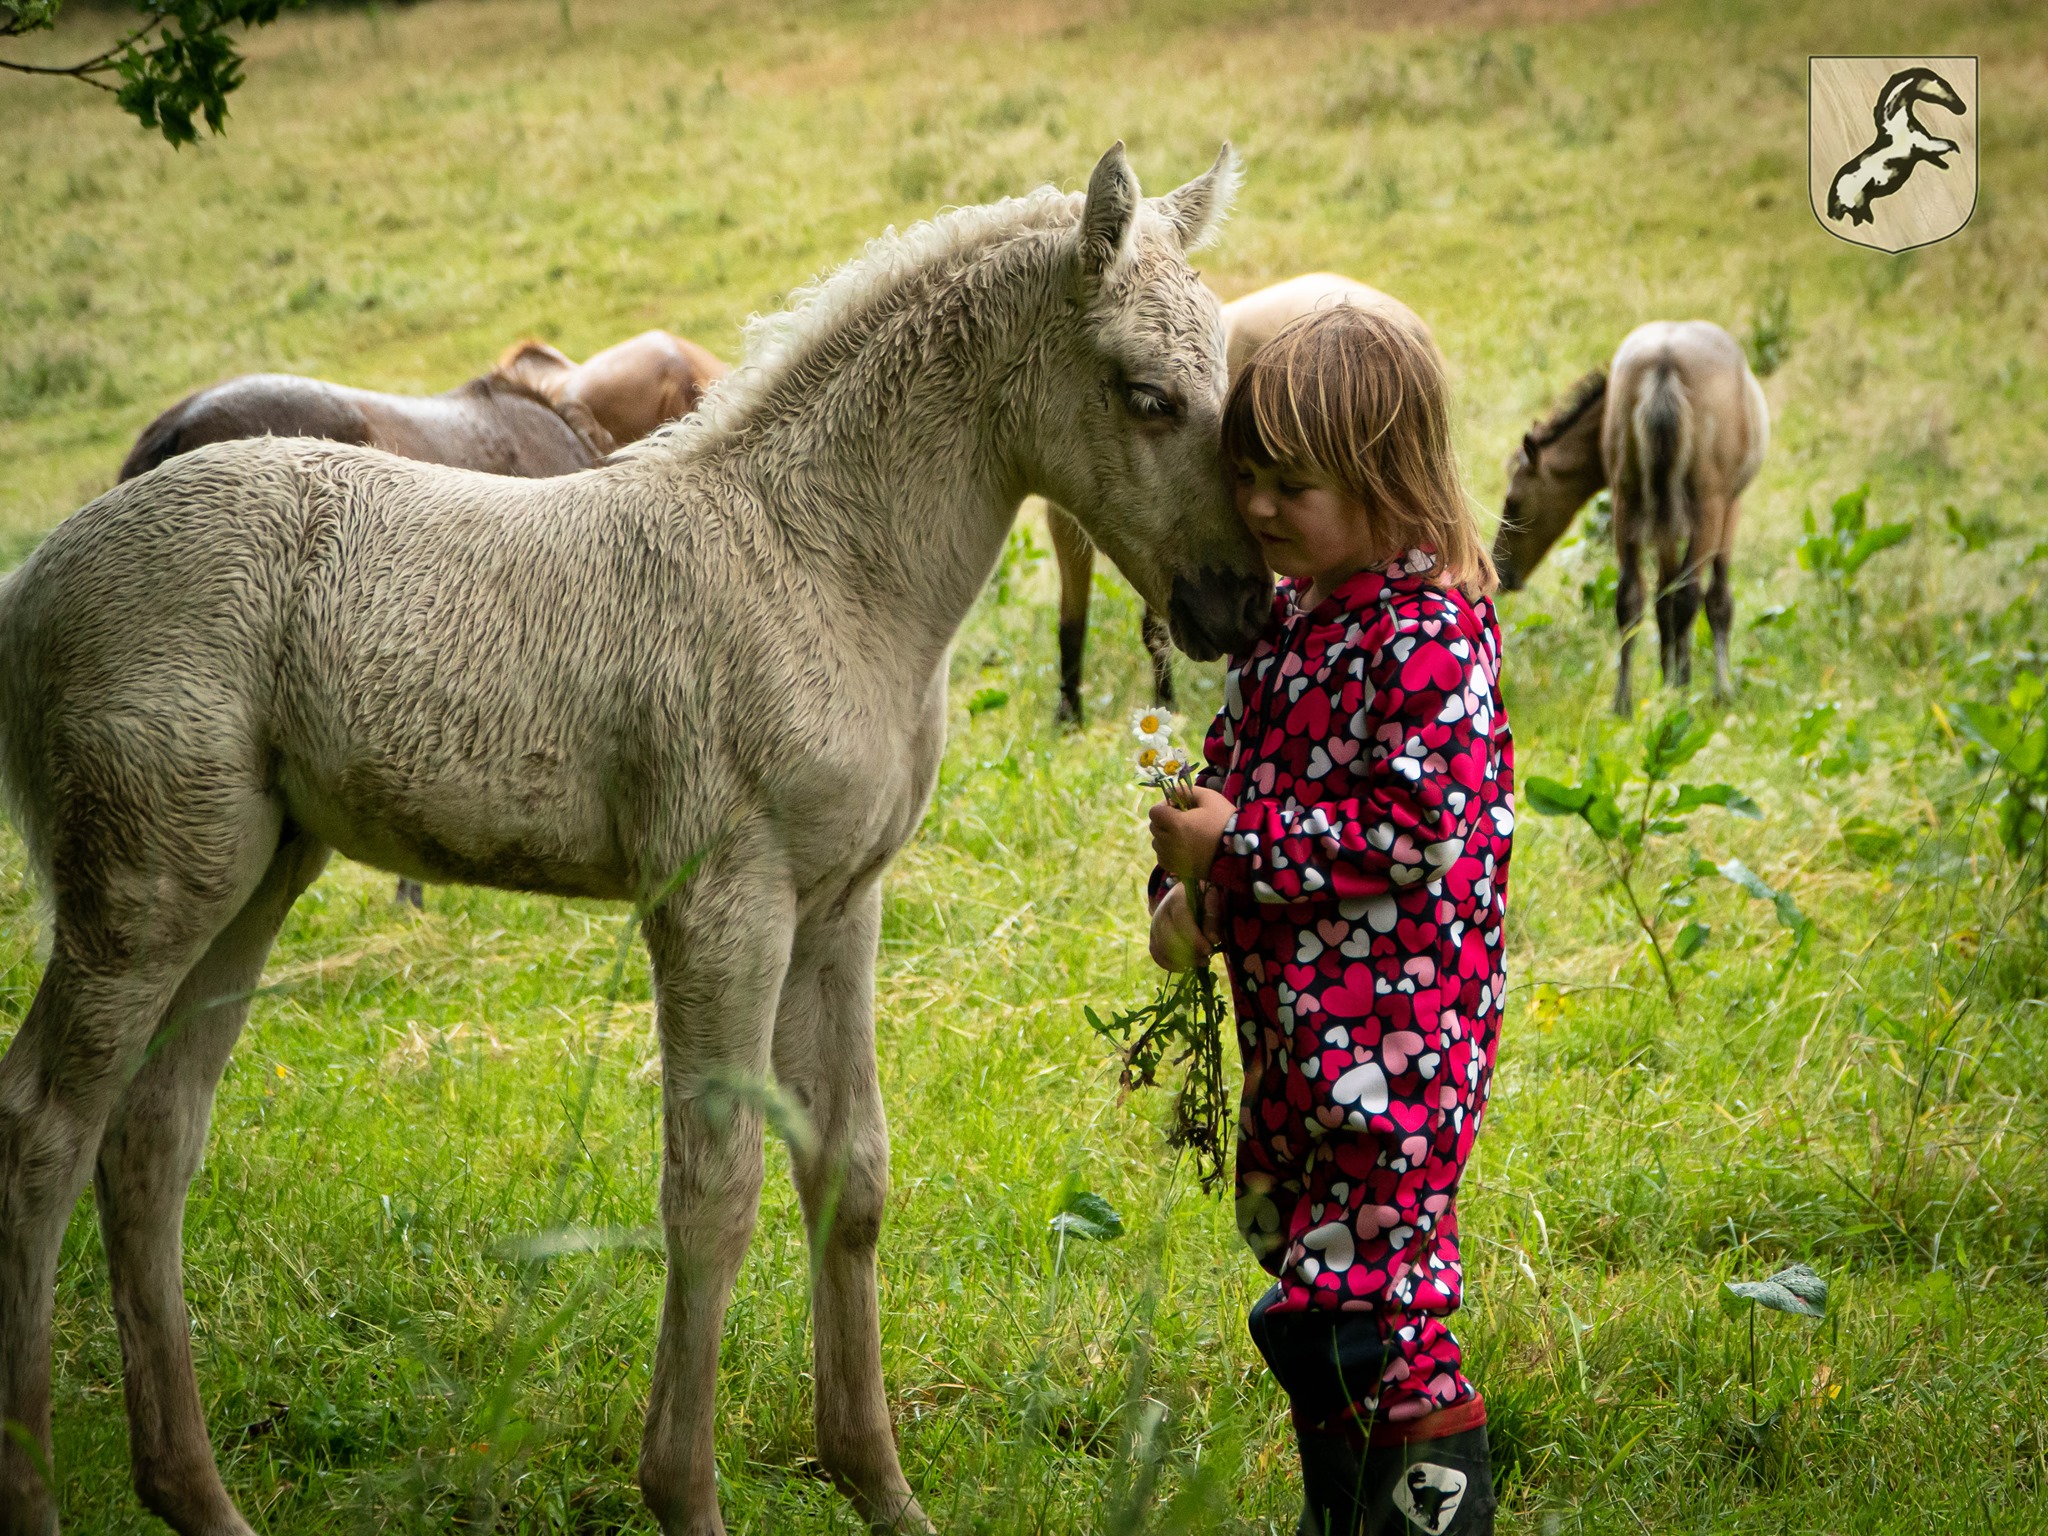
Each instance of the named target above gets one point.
<point>1584,394</point>
<point>818,311</point>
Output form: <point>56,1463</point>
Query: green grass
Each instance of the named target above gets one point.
<point>403,192</point>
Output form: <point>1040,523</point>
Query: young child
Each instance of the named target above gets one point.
<point>1350,841</point>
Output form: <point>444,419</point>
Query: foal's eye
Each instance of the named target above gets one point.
<point>1148,402</point>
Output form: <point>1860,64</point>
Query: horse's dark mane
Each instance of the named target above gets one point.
<point>1589,390</point>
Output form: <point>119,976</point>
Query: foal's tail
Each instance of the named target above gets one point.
<point>1662,431</point>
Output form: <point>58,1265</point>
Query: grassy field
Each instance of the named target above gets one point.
<point>404,191</point>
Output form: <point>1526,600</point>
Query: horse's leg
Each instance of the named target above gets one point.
<point>1678,607</point>
<point>1159,643</point>
<point>1628,598</point>
<point>1075,554</point>
<point>147,1159</point>
<point>720,949</point>
<point>825,1056</point>
<point>125,935</point>
<point>1717,537</point>
<point>1720,617</point>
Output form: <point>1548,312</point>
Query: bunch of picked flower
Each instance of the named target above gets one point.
<point>1161,761</point>
<point>1184,1024</point>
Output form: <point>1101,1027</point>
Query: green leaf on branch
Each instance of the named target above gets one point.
<point>1795,1289</point>
<point>1550,797</point>
<point>1789,916</point>
<point>1085,1215</point>
<point>1689,939</point>
<point>1603,816</point>
<point>1676,740</point>
<point>176,68</point>
<point>1882,537</point>
<point>1727,796</point>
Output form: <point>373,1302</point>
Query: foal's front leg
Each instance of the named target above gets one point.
<point>720,949</point>
<point>825,1056</point>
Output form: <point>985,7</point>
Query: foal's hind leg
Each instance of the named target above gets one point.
<point>147,1159</point>
<point>124,939</point>
<point>825,1056</point>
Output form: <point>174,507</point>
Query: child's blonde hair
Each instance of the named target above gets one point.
<point>1358,397</point>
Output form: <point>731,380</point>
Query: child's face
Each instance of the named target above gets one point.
<point>1308,528</point>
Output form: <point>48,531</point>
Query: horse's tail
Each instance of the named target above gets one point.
<point>1662,427</point>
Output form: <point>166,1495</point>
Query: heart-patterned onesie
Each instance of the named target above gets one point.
<point>1365,877</point>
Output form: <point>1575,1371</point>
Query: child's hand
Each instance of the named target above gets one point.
<point>1184,842</point>
<point>1178,942</point>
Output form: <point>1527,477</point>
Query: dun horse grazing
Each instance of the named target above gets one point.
<point>1248,324</point>
<point>1677,428</point>
<point>721,655</point>
<point>642,383</point>
<point>496,424</point>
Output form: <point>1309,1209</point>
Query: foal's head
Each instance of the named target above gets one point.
<point>1131,440</point>
<point>1555,471</point>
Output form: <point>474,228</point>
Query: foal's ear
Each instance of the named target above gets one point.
<point>1111,216</point>
<point>1197,210</point>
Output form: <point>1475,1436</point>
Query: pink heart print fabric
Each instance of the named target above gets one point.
<point>1365,874</point>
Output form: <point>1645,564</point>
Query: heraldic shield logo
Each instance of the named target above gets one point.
<point>1891,148</point>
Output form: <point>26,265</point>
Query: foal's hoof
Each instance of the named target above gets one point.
<point>908,1520</point>
<point>1067,713</point>
<point>411,893</point>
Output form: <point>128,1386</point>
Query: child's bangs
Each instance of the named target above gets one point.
<point>1260,428</point>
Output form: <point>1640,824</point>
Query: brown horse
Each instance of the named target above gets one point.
<point>630,389</point>
<point>1676,427</point>
<point>495,424</point>
<point>1248,324</point>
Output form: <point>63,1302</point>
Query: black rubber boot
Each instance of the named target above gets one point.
<point>1326,1361</point>
<point>1425,1488</point>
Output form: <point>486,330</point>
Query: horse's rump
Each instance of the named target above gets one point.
<point>255,405</point>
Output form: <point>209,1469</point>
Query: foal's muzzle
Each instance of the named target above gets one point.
<point>1213,612</point>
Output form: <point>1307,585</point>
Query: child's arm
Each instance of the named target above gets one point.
<point>1412,755</point>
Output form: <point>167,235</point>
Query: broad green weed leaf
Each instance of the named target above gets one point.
<point>1795,1289</point>
<point>1086,1215</point>
<point>1674,743</point>
<point>1849,509</point>
<point>1735,872</point>
<point>1689,939</point>
<point>1991,725</point>
<point>1727,796</point>
<point>986,699</point>
<point>1882,537</point>
<point>1603,816</point>
<point>1552,798</point>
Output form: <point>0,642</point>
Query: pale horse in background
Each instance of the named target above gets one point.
<point>721,655</point>
<point>1248,324</point>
